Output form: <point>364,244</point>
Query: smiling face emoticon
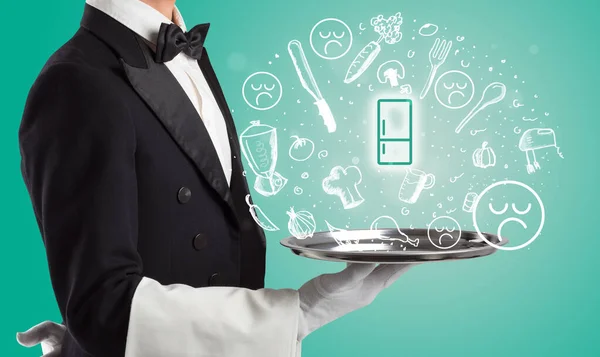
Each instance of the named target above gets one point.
<point>262,90</point>
<point>444,232</point>
<point>454,89</point>
<point>510,209</point>
<point>331,38</point>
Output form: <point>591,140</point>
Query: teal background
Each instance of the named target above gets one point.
<point>538,301</point>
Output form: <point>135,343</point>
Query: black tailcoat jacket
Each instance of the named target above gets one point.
<point>125,183</point>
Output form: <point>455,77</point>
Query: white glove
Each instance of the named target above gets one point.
<point>322,300</point>
<point>48,333</point>
<point>331,296</point>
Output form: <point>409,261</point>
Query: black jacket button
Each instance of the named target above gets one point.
<point>215,280</point>
<point>200,241</point>
<point>184,194</point>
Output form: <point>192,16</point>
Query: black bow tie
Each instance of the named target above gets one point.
<point>172,40</point>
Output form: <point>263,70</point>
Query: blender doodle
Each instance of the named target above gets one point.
<point>259,147</point>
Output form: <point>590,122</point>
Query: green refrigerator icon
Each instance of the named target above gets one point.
<point>394,132</point>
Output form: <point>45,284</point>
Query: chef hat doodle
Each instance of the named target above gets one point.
<point>343,182</point>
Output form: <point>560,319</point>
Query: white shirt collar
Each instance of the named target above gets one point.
<point>138,16</point>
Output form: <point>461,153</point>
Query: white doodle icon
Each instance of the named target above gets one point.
<point>262,90</point>
<point>301,224</point>
<point>309,84</point>
<point>322,154</point>
<point>455,178</point>
<point>484,156</point>
<point>260,217</point>
<point>259,147</point>
<point>331,38</point>
<point>469,201</point>
<point>516,103</point>
<point>343,183</point>
<point>380,223</point>
<point>437,56</point>
<point>454,89</point>
<point>389,31</point>
<point>536,139</point>
<point>390,72</point>
<point>441,232</point>
<point>415,181</point>
<point>528,215</point>
<point>428,30</point>
<point>405,89</point>
<point>492,94</point>
<point>301,149</point>
<point>340,237</point>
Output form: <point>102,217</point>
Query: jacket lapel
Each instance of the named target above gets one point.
<point>215,87</point>
<point>157,86</point>
<point>167,99</point>
<point>239,185</point>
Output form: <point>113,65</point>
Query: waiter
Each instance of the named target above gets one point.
<point>131,159</point>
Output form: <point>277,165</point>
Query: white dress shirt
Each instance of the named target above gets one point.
<point>218,321</point>
<point>145,21</point>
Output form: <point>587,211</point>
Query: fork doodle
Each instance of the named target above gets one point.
<point>437,56</point>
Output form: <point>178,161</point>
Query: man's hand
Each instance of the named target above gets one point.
<point>331,296</point>
<point>48,333</point>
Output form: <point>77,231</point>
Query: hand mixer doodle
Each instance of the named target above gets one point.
<point>535,139</point>
<point>259,147</point>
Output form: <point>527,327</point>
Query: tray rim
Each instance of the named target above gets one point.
<point>286,243</point>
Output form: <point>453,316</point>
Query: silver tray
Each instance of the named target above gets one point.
<point>389,246</point>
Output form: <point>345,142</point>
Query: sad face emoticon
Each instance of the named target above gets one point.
<point>454,89</point>
<point>510,209</point>
<point>444,232</point>
<point>331,38</point>
<point>262,90</point>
